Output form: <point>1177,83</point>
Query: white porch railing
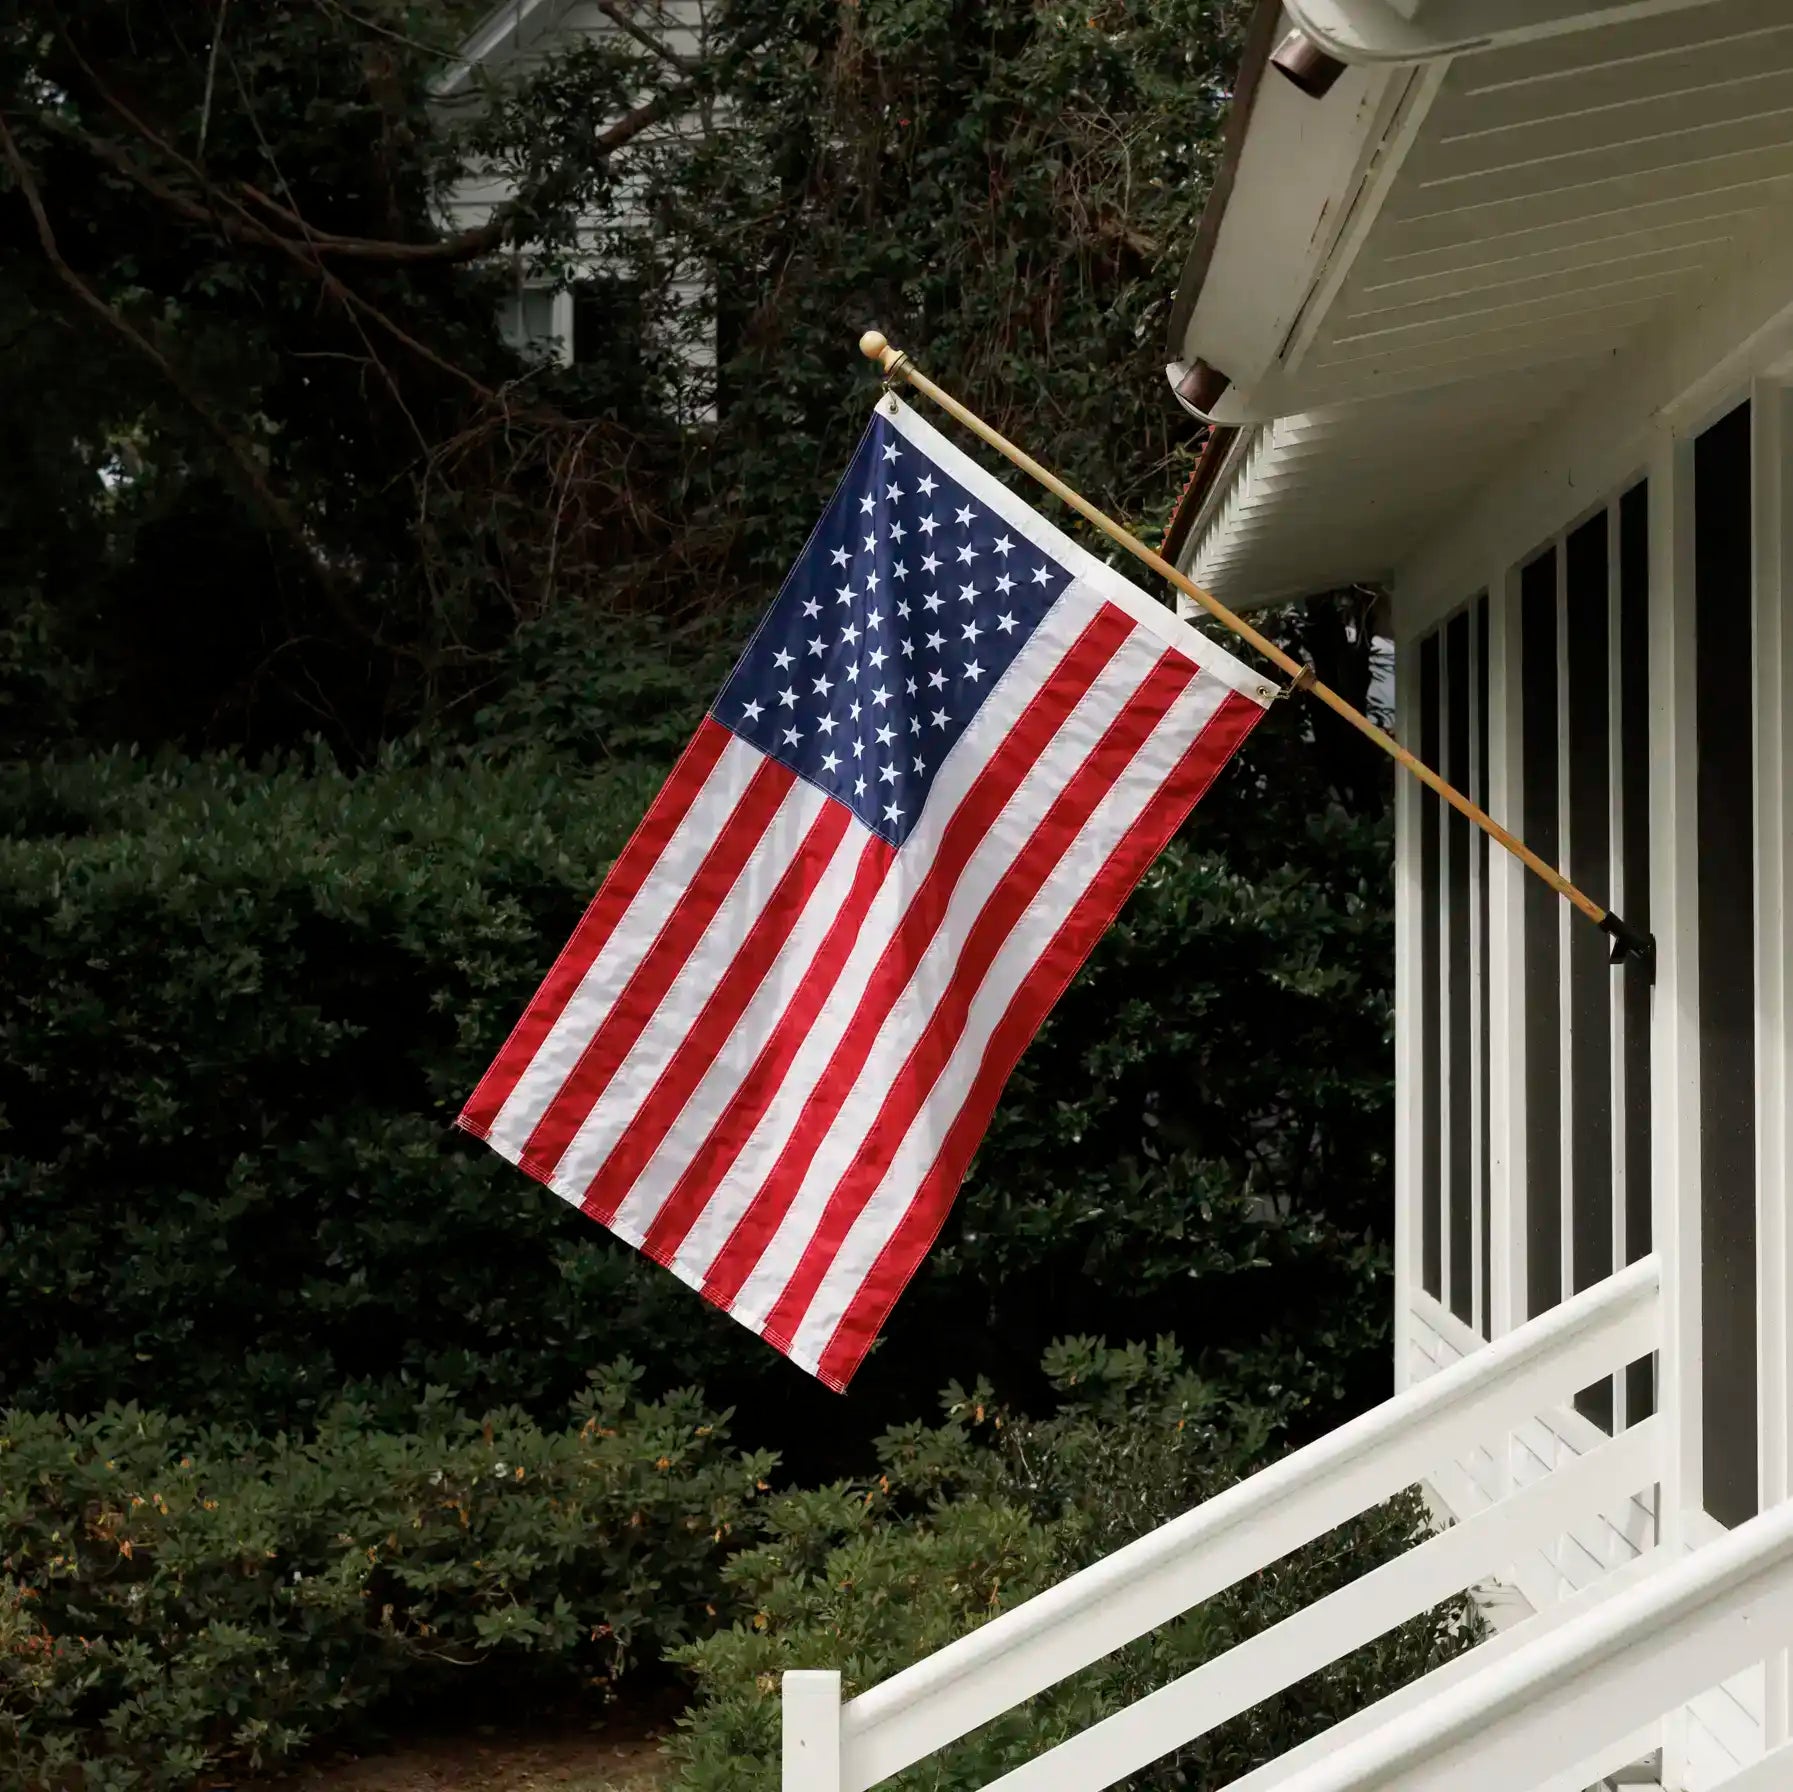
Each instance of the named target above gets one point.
<point>831,1747</point>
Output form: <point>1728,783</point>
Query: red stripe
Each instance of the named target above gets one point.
<point>721,1013</point>
<point>1045,983</point>
<point>605,910</point>
<point>1053,835</point>
<point>630,1013</point>
<point>723,1144</point>
<point>1032,733</point>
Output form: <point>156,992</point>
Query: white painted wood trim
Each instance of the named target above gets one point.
<point>1567,919</point>
<point>1164,1573</point>
<point>1580,1691</point>
<point>1771,412</point>
<point>1424,1577</point>
<point>1506,995</point>
<point>1409,1023</point>
<point>811,1719</point>
<point>1773,1773</point>
<point>1674,879</point>
<point>1478,994</point>
<point>1616,983</point>
<point>1446,1066</point>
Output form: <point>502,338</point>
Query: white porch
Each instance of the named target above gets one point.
<point>1509,332</point>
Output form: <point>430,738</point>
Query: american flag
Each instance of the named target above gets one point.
<point>949,751</point>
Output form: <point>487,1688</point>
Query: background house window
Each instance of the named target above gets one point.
<point>530,321</point>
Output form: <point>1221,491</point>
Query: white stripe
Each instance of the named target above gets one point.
<point>698,1117</point>
<point>1055,636</point>
<point>690,990</point>
<point>635,932</point>
<point>1081,733</point>
<point>1161,619</point>
<point>1081,864</point>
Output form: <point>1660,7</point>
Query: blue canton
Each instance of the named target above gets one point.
<point>907,604</point>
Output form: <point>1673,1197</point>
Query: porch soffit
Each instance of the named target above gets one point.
<point>1535,211</point>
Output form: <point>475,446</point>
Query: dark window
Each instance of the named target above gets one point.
<point>1543,1092</point>
<point>1461,1140</point>
<point>1480,843</point>
<point>1431,1122</point>
<point>1724,723</point>
<point>1590,864</point>
<point>1634,893</point>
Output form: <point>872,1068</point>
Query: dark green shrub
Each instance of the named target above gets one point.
<point>178,1602</point>
<point>973,1516</point>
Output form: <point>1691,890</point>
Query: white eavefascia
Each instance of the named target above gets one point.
<point>1300,182</point>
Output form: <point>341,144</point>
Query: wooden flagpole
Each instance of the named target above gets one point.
<point>1626,941</point>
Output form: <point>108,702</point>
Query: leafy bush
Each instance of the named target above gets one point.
<point>243,1005</point>
<point>971,1517</point>
<point>176,1602</point>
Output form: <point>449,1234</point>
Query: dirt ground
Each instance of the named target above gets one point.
<point>615,1760</point>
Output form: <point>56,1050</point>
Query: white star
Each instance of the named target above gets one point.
<point>897,531</point>
<point>899,569</point>
<point>1006,624</point>
<point>908,649</point>
<point>839,556</point>
<point>844,595</point>
<point>849,633</point>
<point>871,542</point>
<point>885,735</point>
<point>873,618</point>
<point>788,698</point>
<point>816,646</point>
<point>925,485</point>
<point>972,631</point>
<point>928,525</point>
<point>876,658</point>
<point>890,452</point>
<point>902,609</point>
<point>967,554</point>
<point>887,773</point>
<point>936,679</point>
<point>936,641</point>
<point>853,713</point>
<point>859,749</point>
<point>919,767</point>
<point>871,583</point>
<point>1005,584</point>
<point>830,762</point>
<point>931,601</point>
<point>880,696</point>
<point>939,718</point>
<point>791,737</point>
<point>751,713</point>
<point>929,564</point>
<point>1041,576</point>
<point>974,671</point>
<point>963,518</point>
<point>892,813</point>
<point>909,686</point>
<point>1003,544</point>
<point>868,503</point>
<point>894,493</point>
<point>781,659</point>
<point>823,687</point>
<point>853,671</point>
<point>915,724</point>
<point>859,787</point>
<point>826,724</point>
<point>967,594</point>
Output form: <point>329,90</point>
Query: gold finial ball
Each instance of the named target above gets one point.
<point>872,345</point>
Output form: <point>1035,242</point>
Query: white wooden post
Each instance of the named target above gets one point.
<point>1772,460</point>
<point>1675,1061</point>
<point>1409,1179</point>
<point>811,1730</point>
<point>1506,969</point>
